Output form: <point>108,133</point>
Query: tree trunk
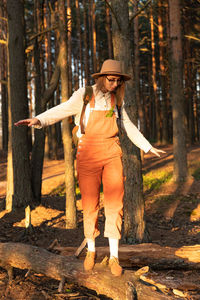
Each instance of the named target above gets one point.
<point>58,125</point>
<point>196,110</point>
<point>19,104</point>
<point>66,134</point>
<point>51,152</point>
<point>58,92</point>
<point>176,70</point>
<point>154,82</point>
<point>151,112</point>
<point>76,73</point>
<point>40,105</point>
<point>137,71</point>
<point>163,75</point>
<point>89,16</point>
<point>49,58</point>
<point>39,135</point>
<point>69,45</point>
<point>79,36</point>
<point>86,55</point>
<point>155,256</point>
<point>4,83</point>
<point>168,95</point>
<point>10,179</point>
<point>189,87</point>
<point>94,39</point>
<point>134,223</point>
<point>145,103</point>
<point>48,146</point>
<point>109,33</point>
<point>129,286</point>
<point>4,102</point>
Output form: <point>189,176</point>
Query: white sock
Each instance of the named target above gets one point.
<point>114,247</point>
<point>91,245</point>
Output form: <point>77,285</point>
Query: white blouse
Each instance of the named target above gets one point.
<point>74,105</point>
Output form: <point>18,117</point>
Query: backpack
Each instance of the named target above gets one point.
<point>86,99</point>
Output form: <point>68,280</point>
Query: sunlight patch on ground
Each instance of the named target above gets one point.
<point>195,215</point>
<point>3,213</point>
<point>40,215</point>
<point>183,252</point>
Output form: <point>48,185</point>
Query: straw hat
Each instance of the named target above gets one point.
<point>111,67</point>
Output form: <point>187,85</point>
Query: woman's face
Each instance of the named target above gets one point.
<point>112,82</point>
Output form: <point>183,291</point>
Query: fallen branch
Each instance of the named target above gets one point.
<point>101,280</point>
<point>80,248</point>
<point>152,255</point>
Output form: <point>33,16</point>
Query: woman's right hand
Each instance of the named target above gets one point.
<point>28,122</point>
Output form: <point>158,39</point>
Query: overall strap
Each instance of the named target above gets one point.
<point>112,100</point>
<point>92,102</point>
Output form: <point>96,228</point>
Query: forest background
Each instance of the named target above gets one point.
<point>48,49</point>
<point>44,41</point>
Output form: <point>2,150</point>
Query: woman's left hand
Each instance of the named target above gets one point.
<point>156,151</point>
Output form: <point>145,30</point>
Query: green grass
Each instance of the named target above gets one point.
<point>60,190</point>
<point>196,174</point>
<point>151,181</point>
<point>154,180</point>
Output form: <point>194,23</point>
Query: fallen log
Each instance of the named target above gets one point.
<point>152,255</point>
<point>128,286</point>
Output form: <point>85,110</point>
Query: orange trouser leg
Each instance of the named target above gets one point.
<point>89,183</point>
<point>113,187</point>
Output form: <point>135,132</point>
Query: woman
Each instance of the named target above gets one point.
<point>99,154</point>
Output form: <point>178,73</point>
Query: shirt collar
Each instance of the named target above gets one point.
<point>99,93</point>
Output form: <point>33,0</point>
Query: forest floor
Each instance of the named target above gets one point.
<point>172,218</point>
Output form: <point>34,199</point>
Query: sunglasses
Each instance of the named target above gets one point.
<point>118,81</point>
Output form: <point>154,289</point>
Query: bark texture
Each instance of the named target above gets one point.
<point>134,224</point>
<point>79,37</point>
<point>176,71</point>
<point>152,255</point>
<point>108,31</point>
<point>3,83</point>
<point>19,105</point>
<point>39,135</point>
<point>137,71</point>
<point>163,73</point>
<point>127,287</point>
<point>85,38</point>
<point>66,133</point>
<point>154,82</point>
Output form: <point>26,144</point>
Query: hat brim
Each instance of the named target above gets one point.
<point>125,76</point>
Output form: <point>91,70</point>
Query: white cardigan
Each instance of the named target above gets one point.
<point>73,107</point>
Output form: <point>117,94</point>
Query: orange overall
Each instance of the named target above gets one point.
<point>99,159</point>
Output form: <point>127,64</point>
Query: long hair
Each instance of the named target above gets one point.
<point>119,92</point>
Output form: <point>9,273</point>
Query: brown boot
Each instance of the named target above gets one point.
<point>89,261</point>
<point>115,268</point>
